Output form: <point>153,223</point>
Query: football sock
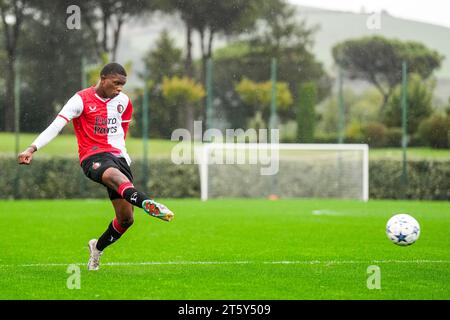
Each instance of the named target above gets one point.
<point>111,235</point>
<point>133,196</point>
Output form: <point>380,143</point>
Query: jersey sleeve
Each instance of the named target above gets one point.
<point>72,109</point>
<point>126,118</point>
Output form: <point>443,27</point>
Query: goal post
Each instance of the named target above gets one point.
<point>284,170</point>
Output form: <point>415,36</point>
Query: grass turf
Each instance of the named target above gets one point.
<point>225,249</point>
<point>66,144</point>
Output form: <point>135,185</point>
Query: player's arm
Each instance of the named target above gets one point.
<point>72,109</point>
<point>126,118</point>
<point>45,137</point>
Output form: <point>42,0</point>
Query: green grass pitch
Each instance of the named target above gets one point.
<point>225,249</point>
<point>66,145</point>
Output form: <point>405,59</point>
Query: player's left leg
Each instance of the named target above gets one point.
<point>115,174</point>
<point>123,220</point>
<point>120,224</point>
<point>119,182</point>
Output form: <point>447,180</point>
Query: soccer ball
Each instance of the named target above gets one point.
<point>402,229</point>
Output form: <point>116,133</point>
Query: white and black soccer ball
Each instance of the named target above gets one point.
<point>402,229</point>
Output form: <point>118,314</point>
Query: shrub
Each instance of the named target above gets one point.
<point>426,180</point>
<point>322,137</point>
<point>53,178</point>
<point>435,131</point>
<point>288,132</point>
<point>306,115</point>
<point>420,99</point>
<point>354,132</point>
<point>62,178</point>
<point>394,137</point>
<point>375,134</point>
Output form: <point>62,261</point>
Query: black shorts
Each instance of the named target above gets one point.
<point>95,165</point>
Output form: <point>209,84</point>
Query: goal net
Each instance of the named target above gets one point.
<point>252,170</point>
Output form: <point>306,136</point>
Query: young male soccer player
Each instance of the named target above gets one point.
<point>101,115</point>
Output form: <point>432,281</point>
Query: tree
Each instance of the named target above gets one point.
<point>445,107</point>
<point>50,62</point>
<point>420,99</point>
<point>211,18</point>
<point>12,14</point>
<point>359,111</point>
<point>179,92</point>
<point>184,89</point>
<point>306,116</point>
<point>379,61</point>
<point>2,80</point>
<point>226,17</point>
<point>280,35</point>
<point>112,15</point>
<point>435,131</point>
<point>284,37</point>
<point>258,96</point>
<point>165,59</point>
<point>186,10</point>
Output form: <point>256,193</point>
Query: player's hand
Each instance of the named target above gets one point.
<point>26,156</point>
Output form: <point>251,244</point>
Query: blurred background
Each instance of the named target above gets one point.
<point>327,74</point>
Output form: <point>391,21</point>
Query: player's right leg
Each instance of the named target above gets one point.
<point>120,224</point>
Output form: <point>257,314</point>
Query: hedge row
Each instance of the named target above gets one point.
<point>53,178</point>
<point>426,180</point>
<point>63,178</point>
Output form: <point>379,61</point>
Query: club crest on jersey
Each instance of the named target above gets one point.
<point>120,108</point>
<point>96,165</point>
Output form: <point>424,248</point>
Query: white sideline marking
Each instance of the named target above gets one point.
<point>304,262</point>
<point>326,213</point>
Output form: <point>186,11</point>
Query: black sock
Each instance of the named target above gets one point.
<point>134,197</point>
<point>108,237</point>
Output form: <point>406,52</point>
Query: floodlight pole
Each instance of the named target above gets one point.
<point>84,85</point>
<point>404,121</point>
<point>273,123</point>
<point>83,72</point>
<point>145,107</point>
<point>273,105</point>
<point>341,120</point>
<point>209,92</point>
<point>17,123</point>
<point>17,105</point>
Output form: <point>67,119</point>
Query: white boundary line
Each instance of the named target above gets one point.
<point>295,262</point>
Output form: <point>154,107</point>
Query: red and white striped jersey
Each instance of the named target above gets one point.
<point>101,125</point>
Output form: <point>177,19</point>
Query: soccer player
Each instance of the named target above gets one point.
<point>101,115</point>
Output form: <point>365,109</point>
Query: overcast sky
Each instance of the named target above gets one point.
<point>431,11</point>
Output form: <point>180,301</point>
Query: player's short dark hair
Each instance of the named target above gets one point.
<point>113,68</point>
